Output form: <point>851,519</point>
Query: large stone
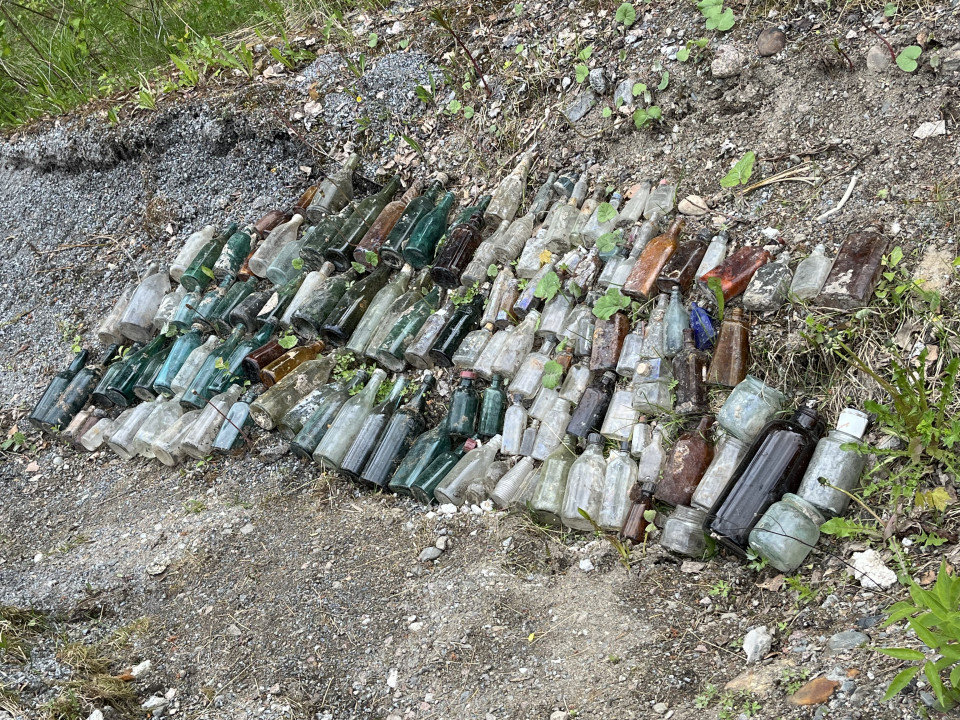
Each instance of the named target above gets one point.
<point>623,95</point>
<point>930,129</point>
<point>847,640</point>
<point>949,61</point>
<point>693,205</point>
<point>757,643</point>
<point>814,692</point>
<point>878,59</point>
<point>429,554</point>
<point>581,105</point>
<point>771,41</point>
<point>598,81</point>
<point>727,62</point>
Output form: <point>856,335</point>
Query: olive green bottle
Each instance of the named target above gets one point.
<point>318,238</point>
<point>334,192</point>
<point>307,321</point>
<point>425,449</point>
<point>343,319</point>
<point>120,390</point>
<point>417,209</point>
<point>492,409</point>
<point>340,252</point>
<point>234,253</point>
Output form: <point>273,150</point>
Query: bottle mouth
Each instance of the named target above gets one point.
<point>339,259</point>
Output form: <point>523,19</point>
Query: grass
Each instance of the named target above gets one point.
<point>17,627</point>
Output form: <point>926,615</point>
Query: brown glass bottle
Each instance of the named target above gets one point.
<point>855,272</point>
<point>731,357</point>
<point>690,372</point>
<point>681,269</point>
<point>269,221</point>
<point>379,231</point>
<point>735,272</point>
<point>303,202</point>
<point>687,461</point>
<point>261,357</point>
<point>288,362</point>
<point>505,316</point>
<point>462,242</point>
<point>635,526</point>
<point>608,337</point>
<point>642,281</point>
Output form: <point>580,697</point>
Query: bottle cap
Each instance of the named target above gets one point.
<point>469,445</point>
<point>853,422</point>
<point>468,375</point>
<point>594,438</point>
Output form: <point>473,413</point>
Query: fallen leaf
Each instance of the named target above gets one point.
<point>929,577</point>
<point>774,584</point>
<point>815,692</point>
<point>33,467</point>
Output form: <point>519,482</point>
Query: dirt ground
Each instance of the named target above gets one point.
<point>258,587</point>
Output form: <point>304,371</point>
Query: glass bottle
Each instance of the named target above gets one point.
<point>346,314</point>
<point>653,386</point>
<point>409,463</point>
<point>143,385</point>
<point>520,343</point>
<point>194,278</point>
<point>312,283</point>
<point>716,480</point>
<point>621,416</point>
<point>509,193</point>
<point>219,315</point>
<point>321,236</point>
<point>419,352</point>
<point>235,251</point>
<point>462,242</point>
<point>95,437</point>
<point>464,406</point>
<point>121,440</point>
<point>258,359</point>
<point>749,407</point>
<point>108,329</point>
<point>377,311</point>
<point>528,379</point>
<point>641,502</point>
<point>391,351</point>
<point>715,254</point>
<point>167,448</point>
<point>269,408</point>
<point>198,442</point>
<point>732,356</point>
<point>273,244</point>
<point>345,427</point>
<point>231,373</point>
<point>541,199</point>
<point>309,319</point>
<point>286,363</point>
<point>137,320</point>
<point>855,271</point>
<point>476,271</point>
<point>380,229</point>
<point>608,338</point>
<point>233,433</point>
<point>576,382</point>
<point>633,210</point>
<point>773,465</point>
<point>514,423</point>
<point>492,409</point>
<point>276,305</point>
<point>833,465</point>
<point>262,227</point>
<point>565,214</point>
<point>168,306</point>
<point>472,465</point>
<point>510,486</point>
<point>735,272</point>
<point>483,367</point>
<point>423,486</point>
<point>683,532</point>
<point>554,317</point>
<point>620,475</point>
<point>65,405</point>
<point>592,407</point>
<point>787,532</point>
<point>191,366</point>
<point>462,321</point>
<point>594,229</point>
<point>769,286</point>
<point>680,270</point>
<point>472,345</point>
<point>654,456</point>
<point>513,240</point>
<point>642,281</point>
<point>532,254</point>
<point>244,313</point>
<point>630,352</point>
<point>186,311</point>
<point>686,463</point>
<point>552,430</point>
<point>527,298</point>
<point>120,389</point>
<point>335,191</point>
<point>584,486</point>
<point>547,500</point>
<point>421,245</point>
<point>330,400</point>
<point>641,436</point>
<point>417,209</point>
<point>704,333</point>
<point>209,301</point>
<point>661,200</point>
<point>655,332</point>
<point>56,388</point>
<point>288,264</point>
<point>191,246</point>
<point>180,352</point>
<point>690,372</point>
<point>164,413</point>
<point>543,403</point>
<point>676,322</point>
<point>642,234</point>
<point>529,442</point>
<point>369,434</point>
<point>811,274</point>
<point>340,250</point>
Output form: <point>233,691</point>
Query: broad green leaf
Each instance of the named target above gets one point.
<point>453,107</point>
<point>607,242</point>
<point>357,266</point>
<point>638,88</point>
<point>220,364</point>
<point>664,80</point>
<point>548,286</point>
<point>683,54</point>
<point>650,515</point>
<point>889,10</point>
<point>907,59</point>
<point>552,372</point>
<point>606,212</point>
<point>405,43</point>
<point>955,678</point>
<point>722,22</point>
<point>902,653</point>
<point>843,528</point>
<point>714,285</point>
<point>899,682</point>
<point>654,112</point>
<point>611,303</point>
<point>898,611</point>
<point>287,341</point>
<point>933,677</point>
<point>585,54</point>
<point>492,271</point>
<point>582,72</point>
<point>297,263</point>
<point>468,112</point>
<point>372,40</point>
<point>896,255</point>
<point>372,258</point>
<point>741,171</point>
<point>518,9</point>
<point>626,14</point>
<point>606,112</point>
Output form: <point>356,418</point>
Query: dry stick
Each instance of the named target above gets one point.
<point>843,200</point>
<point>437,15</point>
<point>71,247</point>
<point>882,39</point>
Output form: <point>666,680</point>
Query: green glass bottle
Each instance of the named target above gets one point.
<point>77,393</point>
<point>340,251</point>
<point>100,398</point>
<point>55,389</point>
<point>343,319</point>
<point>120,390</point>
<point>186,311</point>
<point>143,387</point>
<point>463,239</point>
<point>424,450</point>
<point>208,303</point>
<point>182,347</point>
<point>198,392</point>
<point>219,316</point>
<point>492,409</point>
<point>316,426</point>
<point>233,254</point>
<point>423,487</point>
<point>318,238</point>
<point>232,372</point>
<point>307,321</point>
<point>465,319</point>
<point>422,244</point>
<point>276,305</point>
<point>464,406</point>
<point>391,350</point>
<point>195,277</point>
<point>416,210</point>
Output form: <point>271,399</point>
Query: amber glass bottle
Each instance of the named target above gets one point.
<point>642,281</point>
<point>681,269</point>
<point>641,498</point>
<point>731,358</point>
<point>380,230</point>
<point>608,337</point>
<point>687,461</point>
<point>735,272</point>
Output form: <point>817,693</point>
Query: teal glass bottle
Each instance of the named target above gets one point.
<point>278,301</point>
<point>208,303</point>
<point>55,389</point>
<point>186,311</point>
<point>199,273</point>
<point>307,321</point>
<point>422,244</point>
<point>391,350</point>
<point>320,236</point>
<point>182,347</point>
<point>120,390</point>
<point>464,406</point>
<point>232,372</point>
<point>198,392</point>
<point>233,255</point>
<point>233,433</point>
<point>392,251</point>
<point>492,409</point>
<point>143,387</point>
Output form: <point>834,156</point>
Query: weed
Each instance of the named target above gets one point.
<point>706,697</point>
<point>696,47</point>
<point>121,637</point>
<point>717,16</point>
<point>623,552</point>
<point>194,507</point>
<point>17,627</point>
<point>733,705</point>
<point>741,171</point>
<point>805,593</point>
<point>17,443</point>
<point>721,588</point>
<point>792,679</point>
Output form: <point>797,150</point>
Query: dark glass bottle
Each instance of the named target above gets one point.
<point>245,313</point>
<point>288,362</point>
<point>55,389</point>
<point>588,415</point>
<point>308,320</point>
<point>219,317</point>
<point>417,209</point>
<point>391,351</point>
<point>258,359</point>
<point>232,372</point>
<point>464,406</point>
<point>235,252</point>
<point>642,280</point>
<point>681,269</point>
<point>608,338</point>
<point>196,276</point>
<point>773,465</point>
<point>120,390</point>
<point>209,301</point>
<point>635,526</point>
<point>270,220</point>
<point>340,252</point>
<point>380,229</point>
<point>423,449</point>
<point>143,387</point>
<point>316,426</point>
<point>735,272</point>
<point>276,305</point>
<point>100,398</point>
<point>198,392</point>
<point>422,488</point>
<point>505,315</point>
<point>463,320</point>
<point>731,359</point>
<point>492,409</point>
<point>462,242</point>
<point>346,314</point>
<point>422,243</point>
<point>690,372</point>
<point>77,393</point>
<point>321,236</point>
<point>371,432</point>
<point>686,463</point>
<point>855,272</point>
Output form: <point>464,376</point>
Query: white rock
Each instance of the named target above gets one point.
<point>586,565</point>
<point>415,626</point>
<point>559,715</point>
<point>393,678</point>
<point>443,542</point>
<point>246,529</point>
<point>870,570</point>
<point>770,233</point>
<point>757,643</point>
<point>155,702</point>
<point>693,205</point>
<point>931,129</point>
<point>141,669</point>
<point>312,108</point>
<point>728,62</point>
<point>95,715</point>
<point>447,509</point>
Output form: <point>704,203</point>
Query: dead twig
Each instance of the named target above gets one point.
<point>893,55</point>
<point>843,200</point>
<point>440,19</point>
<point>72,247</point>
<point>791,175</point>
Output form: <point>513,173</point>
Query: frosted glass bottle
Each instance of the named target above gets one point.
<point>715,481</point>
<point>529,262</point>
<point>576,382</point>
<point>529,441</point>
<point>715,254</point>
<point>676,320</point>
<point>273,244</point>
<point>167,448</point>
<point>654,333</point>
<point>635,206</point>
<point>198,443</point>
<point>660,200</point>
<point>630,352</point>
<point>471,467</point>
<point>834,465</point>
<point>108,329</point>
<point>163,416</point>
<point>811,274</point>
<point>344,428</point>
<point>594,228</point>
<point>640,437</point>
<point>642,235</point>
<point>621,416</point>
<point>543,403</point>
<point>554,317</point>
<point>653,458</point>
<point>466,356</point>
<point>552,430</point>
<point>512,354</point>
<point>168,306</point>
<point>509,193</point>
<point>652,387</point>
<point>377,310</point>
<point>769,286</point>
<point>620,475</point>
<point>484,364</point>
<point>137,320</point>
<point>512,242</point>
<point>191,246</point>
<point>584,486</point>
<point>529,376</point>
<point>514,423</point>
<point>510,485</point>
<point>787,532</point>
<point>547,498</point>
<point>748,408</point>
<point>121,440</point>
<point>312,282</point>
<point>95,437</point>
<point>683,532</point>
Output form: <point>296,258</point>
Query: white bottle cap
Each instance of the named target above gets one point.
<point>853,422</point>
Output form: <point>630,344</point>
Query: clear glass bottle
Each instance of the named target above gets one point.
<point>621,416</point>
<point>653,387</point>
<point>749,407</point>
<point>683,532</point>
<point>108,329</point>
<point>769,286</point>
<point>167,448</point>
<point>512,242</point>
<point>512,354</point>
<point>633,210</point>
<point>328,403</point>
<point>271,246</point>
<point>642,234</point>
<point>415,292</point>
<point>468,352</point>
<point>584,486</point>
<point>511,484</point>
<point>832,465</point>
<point>168,306</point>
<point>191,246</point>
<point>529,376</point>
<point>541,199</point>
<point>514,423</point>
<point>641,436</point>
<point>483,367</point>
<point>676,321</point>
<point>198,442</point>
<point>552,430</point>
<point>576,382</point>
<point>163,416</point>
<point>653,458</point>
<point>191,366</point>
<point>346,315</point>
<point>728,453</point>
<point>509,193</point>
<point>630,352</point>
<point>620,475</point>
<point>269,408</point>
<point>787,532</point>
<point>137,320</point>
<point>400,435</point>
<point>346,425</point>
<point>554,317</point>
<point>811,274</point>
<point>472,466</point>
<point>121,440</point>
<point>529,441</point>
<point>543,403</point>
<point>547,499</point>
<point>661,200</point>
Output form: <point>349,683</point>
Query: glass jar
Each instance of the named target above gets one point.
<point>748,408</point>
<point>787,532</point>
<point>683,532</point>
